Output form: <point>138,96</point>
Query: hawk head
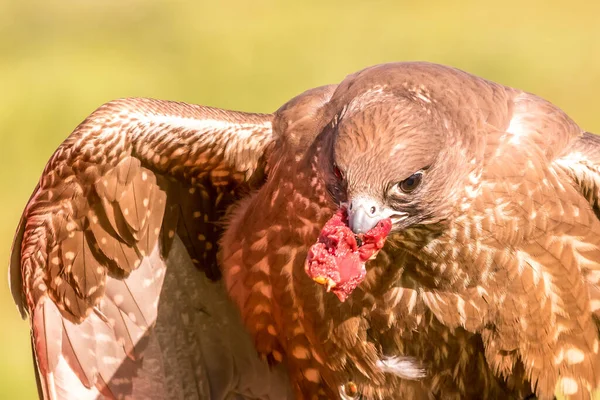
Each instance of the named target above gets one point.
<point>391,160</point>
<point>402,155</point>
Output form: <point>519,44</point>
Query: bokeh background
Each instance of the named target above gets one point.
<point>60,59</point>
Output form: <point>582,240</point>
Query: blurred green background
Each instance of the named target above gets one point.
<point>59,60</point>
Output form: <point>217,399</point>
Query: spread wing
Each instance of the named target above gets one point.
<point>111,258</point>
<point>582,163</point>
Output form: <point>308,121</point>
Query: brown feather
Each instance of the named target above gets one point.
<point>91,236</point>
<point>488,282</point>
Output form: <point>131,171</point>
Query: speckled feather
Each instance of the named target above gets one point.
<point>93,275</point>
<point>494,291</point>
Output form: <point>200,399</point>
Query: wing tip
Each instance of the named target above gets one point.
<point>15,280</point>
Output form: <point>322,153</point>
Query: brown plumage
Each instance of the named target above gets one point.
<point>487,286</point>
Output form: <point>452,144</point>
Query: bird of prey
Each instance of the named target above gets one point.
<point>412,232</point>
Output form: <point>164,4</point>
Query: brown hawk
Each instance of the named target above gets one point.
<point>414,231</point>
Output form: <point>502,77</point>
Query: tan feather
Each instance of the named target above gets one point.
<point>47,334</point>
<point>91,241</point>
<point>488,283</point>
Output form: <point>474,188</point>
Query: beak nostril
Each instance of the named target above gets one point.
<point>350,206</point>
<point>373,209</point>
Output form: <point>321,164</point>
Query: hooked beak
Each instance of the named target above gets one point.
<point>364,213</point>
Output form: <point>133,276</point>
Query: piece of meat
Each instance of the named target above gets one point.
<point>338,259</point>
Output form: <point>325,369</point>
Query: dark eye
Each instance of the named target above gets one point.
<point>337,172</point>
<point>411,183</point>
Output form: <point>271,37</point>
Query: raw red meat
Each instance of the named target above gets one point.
<point>337,261</point>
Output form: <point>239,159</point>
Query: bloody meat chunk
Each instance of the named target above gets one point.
<point>338,259</point>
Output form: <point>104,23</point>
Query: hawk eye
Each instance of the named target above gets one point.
<point>411,183</point>
<point>337,172</point>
